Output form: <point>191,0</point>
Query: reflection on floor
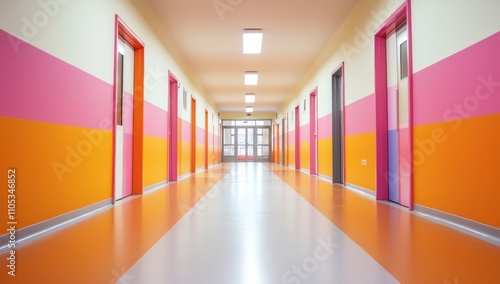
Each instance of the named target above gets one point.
<point>255,223</point>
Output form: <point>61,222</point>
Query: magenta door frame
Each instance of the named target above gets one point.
<point>173,130</point>
<point>297,137</point>
<point>399,16</point>
<point>313,132</point>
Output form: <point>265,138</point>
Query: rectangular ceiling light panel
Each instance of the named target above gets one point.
<point>249,98</point>
<point>251,78</point>
<point>252,41</point>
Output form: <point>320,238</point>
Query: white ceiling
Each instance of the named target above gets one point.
<point>210,40</point>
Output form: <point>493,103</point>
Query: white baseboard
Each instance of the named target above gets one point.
<point>476,229</point>
<point>326,178</point>
<point>54,224</point>
<point>154,187</point>
<point>361,190</point>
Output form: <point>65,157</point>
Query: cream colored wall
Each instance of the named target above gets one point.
<point>353,45</point>
<point>243,115</point>
<point>442,28</point>
<point>181,71</point>
<point>78,32</point>
<point>81,33</point>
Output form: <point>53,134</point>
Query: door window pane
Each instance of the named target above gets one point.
<point>265,136</point>
<point>245,123</point>
<point>263,123</point>
<point>242,153</point>
<point>250,136</point>
<point>250,153</point>
<point>228,151</point>
<point>228,136</point>
<point>119,91</point>
<point>241,136</point>
<point>403,49</point>
<point>262,151</point>
<point>260,140</point>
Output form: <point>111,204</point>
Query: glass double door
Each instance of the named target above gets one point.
<point>246,144</point>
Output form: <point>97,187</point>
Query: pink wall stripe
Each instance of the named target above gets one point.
<point>304,133</point>
<point>291,137</point>
<point>466,84</point>
<point>155,121</point>
<point>210,139</point>
<point>186,131</point>
<point>325,127</point>
<point>44,88</point>
<point>360,116</point>
<point>200,135</point>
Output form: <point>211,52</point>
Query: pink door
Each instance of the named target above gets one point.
<point>297,138</point>
<point>398,117</point>
<point>313,132</point>
<point>172,129</point>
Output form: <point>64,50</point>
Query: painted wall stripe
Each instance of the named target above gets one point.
<point>304,133</point>
<point>41,87</point>
<point>360,116</point>
<point>155,121</point>
<point>200,135</point>
<point>186,131</point>
<point>325,126</point>
<point>464,85</point>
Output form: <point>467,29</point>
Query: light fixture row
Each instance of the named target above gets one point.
<point>249,98</point>
<point>252,44</point>
<point>251,79</point>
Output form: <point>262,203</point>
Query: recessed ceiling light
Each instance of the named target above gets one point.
<point>252,41</point>
<point>249,109</point>
<point>249,98</point>
<point>251,78</point>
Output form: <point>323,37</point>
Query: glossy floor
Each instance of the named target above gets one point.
<point>255,223</point>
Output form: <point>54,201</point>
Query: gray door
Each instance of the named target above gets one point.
<point>338,127</point>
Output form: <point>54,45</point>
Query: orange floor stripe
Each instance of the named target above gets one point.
<point>102,248</point>
<point>411,248</point>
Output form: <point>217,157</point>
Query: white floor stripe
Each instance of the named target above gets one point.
<point>252,228</point>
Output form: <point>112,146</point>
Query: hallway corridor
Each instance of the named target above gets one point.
<point>255,223</point>
<point>250,142</point>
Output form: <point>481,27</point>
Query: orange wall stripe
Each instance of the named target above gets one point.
<point>457,173</point>
<point>360,147</point>
<point>61,168</point>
